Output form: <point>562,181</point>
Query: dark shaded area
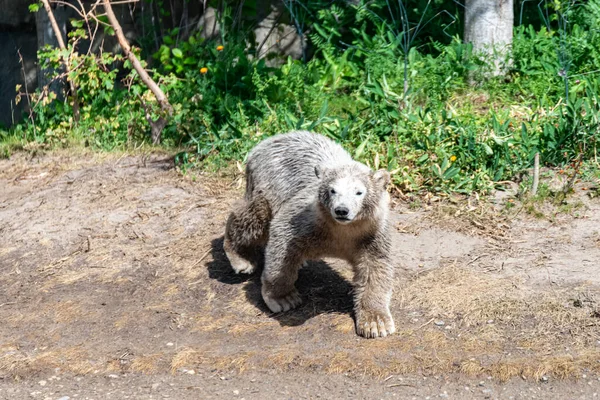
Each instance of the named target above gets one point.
<point>323,290</point>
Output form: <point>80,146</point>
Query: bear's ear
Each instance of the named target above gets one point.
<point>319,171</point>
<point>381,178</point>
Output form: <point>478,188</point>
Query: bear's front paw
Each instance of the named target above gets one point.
<point>373,324</point>
<point>243,266</point>
<point>282,303</point>
<point>239,264</point>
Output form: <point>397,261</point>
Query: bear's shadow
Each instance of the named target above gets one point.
<point>322,289</point>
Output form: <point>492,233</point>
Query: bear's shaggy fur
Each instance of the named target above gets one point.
<point>306,198</point>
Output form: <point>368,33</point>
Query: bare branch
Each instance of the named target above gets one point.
<point>158,125</point>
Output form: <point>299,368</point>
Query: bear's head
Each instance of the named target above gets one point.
<point>352,192</point>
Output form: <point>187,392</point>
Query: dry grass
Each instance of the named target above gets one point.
<point>73,359</point>
<point>470,218</point>
<point>146,364</point>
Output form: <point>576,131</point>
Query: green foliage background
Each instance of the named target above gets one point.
<point>440,133</point>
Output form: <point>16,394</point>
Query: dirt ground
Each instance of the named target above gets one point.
<point>114,285</point>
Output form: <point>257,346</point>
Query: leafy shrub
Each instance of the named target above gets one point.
<point>397,104</point>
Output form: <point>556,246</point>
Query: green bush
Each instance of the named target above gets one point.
<point>405,106</point>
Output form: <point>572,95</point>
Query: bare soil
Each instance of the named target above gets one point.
<point>114,283</point>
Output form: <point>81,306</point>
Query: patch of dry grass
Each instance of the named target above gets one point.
<point>146,364</point>
<point>470,219</point>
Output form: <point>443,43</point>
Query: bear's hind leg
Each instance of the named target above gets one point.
<point>247,230</point>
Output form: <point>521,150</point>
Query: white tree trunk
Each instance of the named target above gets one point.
<point>489,27</point>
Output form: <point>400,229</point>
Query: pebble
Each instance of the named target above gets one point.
<point>155,386</point>
<point>113,376</point>
<point>481,383</point>
<point>170,344</point>
<point>236,392</point>
<point>440,323</point>
<point>544,379</point>
<point>63,398</point>
<point>42,383</point>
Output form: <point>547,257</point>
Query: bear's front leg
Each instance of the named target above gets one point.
<point>279,276</point>
<point>373,283</point>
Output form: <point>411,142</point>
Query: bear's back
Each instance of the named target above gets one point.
<point>283,165</point>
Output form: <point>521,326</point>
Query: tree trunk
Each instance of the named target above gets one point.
<point>489,27</point>
<point>158,125</point>
<point>52,31</point>
<point>47,36</point>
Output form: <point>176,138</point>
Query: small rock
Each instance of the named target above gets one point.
<point>170,344</point>
<point>113,376</point>
<point>544,379</point>
<point>191,372</point>
<point>448,327</point>
<point>444,395</point>
<point>223,378</point>
<point>481,383</point>
<point>63,398</point>
<point>490,321</point>
<point>42,383</point>
<point>155,386</point>
<point>440,323</point>
<point>486,391</point>
<point>236,392</point>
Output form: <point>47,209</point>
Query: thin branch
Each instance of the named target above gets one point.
<point>536,174</point>
<point>158,125</point>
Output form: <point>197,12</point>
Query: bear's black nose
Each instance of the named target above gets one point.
<point>341,211</point>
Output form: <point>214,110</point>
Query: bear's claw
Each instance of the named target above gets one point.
<point>374,324</point>
<point>283,303</point>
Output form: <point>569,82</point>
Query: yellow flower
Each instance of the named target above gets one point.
<point>203,70</point>
<point>220,48</point>
<point>452,158</point>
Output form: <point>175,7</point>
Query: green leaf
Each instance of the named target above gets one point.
<point>451,172</point>
<point>361,148</point>
<point>177,53</point>
<point>324,109</point>
<point>488,149</point>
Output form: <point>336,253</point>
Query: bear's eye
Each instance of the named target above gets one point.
<point>359,193</point>
<point>332,191</point>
